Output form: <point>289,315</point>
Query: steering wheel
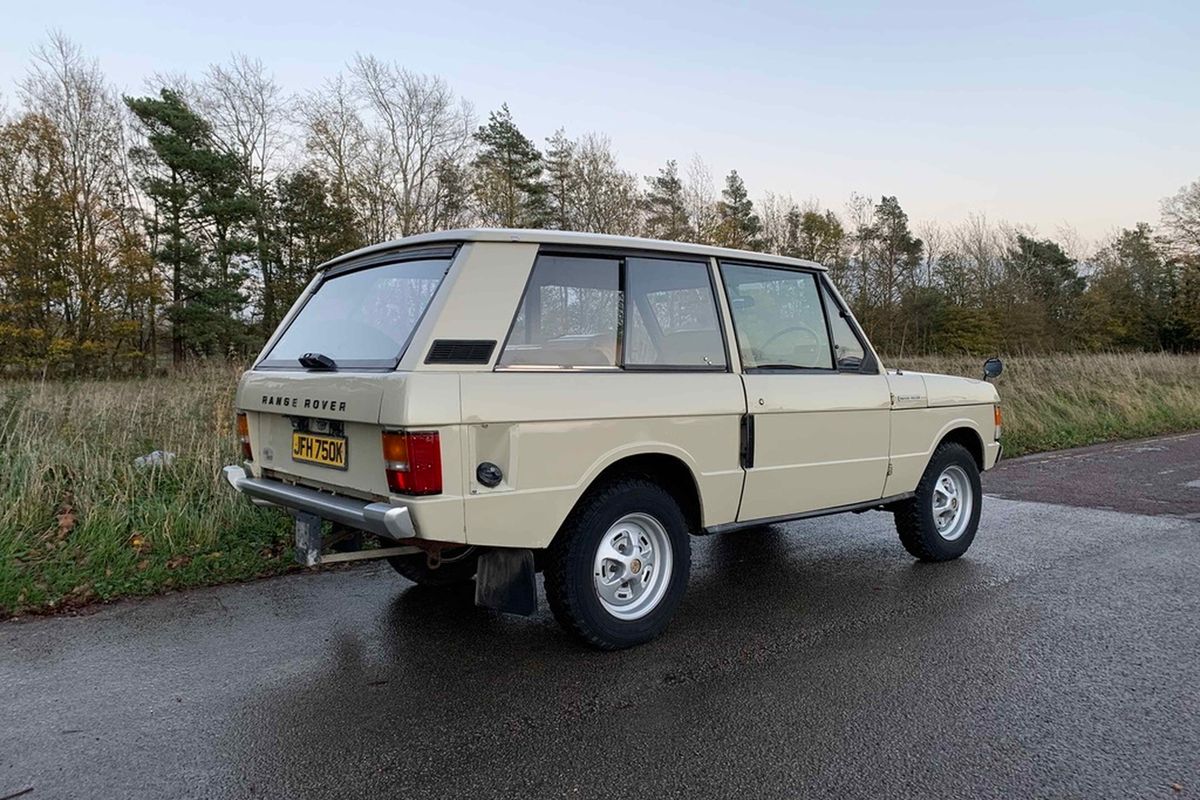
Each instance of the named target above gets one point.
<point>814,339</point>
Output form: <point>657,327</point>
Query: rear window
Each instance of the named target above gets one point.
<point>364,318</point>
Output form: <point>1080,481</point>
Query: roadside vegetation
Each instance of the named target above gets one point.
<point>1068,400</point>
<point>80,523</point>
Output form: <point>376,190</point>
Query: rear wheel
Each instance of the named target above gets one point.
<point>618,568</point>
<point>455,566</point>
<point>939,521</point>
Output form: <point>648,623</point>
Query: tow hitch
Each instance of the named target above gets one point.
<point>311,542</point>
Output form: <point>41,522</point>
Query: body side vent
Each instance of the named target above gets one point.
<point>460,351</point>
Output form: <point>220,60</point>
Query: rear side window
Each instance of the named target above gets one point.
<point>778,317</point>
<point>362,318</point>
<point>672,315</point>
<point>635,312</point>
<point>569,316</point>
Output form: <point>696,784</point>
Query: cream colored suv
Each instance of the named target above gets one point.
<point>486,404</point>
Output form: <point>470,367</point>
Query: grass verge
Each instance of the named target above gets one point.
<point>80,523</point>
<point>1052,402</point>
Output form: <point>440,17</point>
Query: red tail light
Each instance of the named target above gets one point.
<point>413,460</point>
<point>243,430</point>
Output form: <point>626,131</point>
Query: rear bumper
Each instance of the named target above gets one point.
<point>381,519</point>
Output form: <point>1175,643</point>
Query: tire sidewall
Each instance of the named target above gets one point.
<point>636,497</point>
<point>946,456</point>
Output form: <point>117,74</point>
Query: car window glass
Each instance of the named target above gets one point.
<point>363,317</point>
<point>777,317</point>
<point>847,348</point>
<point>568,317</point>
<point>672,316</point>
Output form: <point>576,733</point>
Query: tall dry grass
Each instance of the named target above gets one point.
<point>78,522</point>
<point>1057,401</point>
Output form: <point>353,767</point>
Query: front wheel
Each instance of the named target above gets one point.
<point>938,523</point>
<point>618,568</point>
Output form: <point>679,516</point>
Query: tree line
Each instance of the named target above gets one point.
<point>141,230</point>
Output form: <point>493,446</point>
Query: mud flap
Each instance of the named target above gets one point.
<point>505,580</point>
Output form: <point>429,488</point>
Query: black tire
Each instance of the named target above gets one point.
<point>570,588</point>
<point>915,520</point>
<point>457,567</point>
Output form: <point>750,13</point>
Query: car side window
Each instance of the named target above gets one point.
<point>569,315</point>
<point>777,317</point>
<point>847,347</point>
<point>671,315</point>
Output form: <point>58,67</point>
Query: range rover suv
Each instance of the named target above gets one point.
<point>487,404</point>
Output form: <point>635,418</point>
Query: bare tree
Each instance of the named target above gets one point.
<point>248,112</point>
<point>936,242</point>
<point>701,199</point>
<point>334,132</point>
<point>70,91</point>
<point>860,215</point>
<point>1181,218</point>
<point>981,246</point>
<point>780,219</point>
<point>606,197</point>
<point>422,124</point>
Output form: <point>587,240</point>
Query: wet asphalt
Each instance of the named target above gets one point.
<point>1059,658</point>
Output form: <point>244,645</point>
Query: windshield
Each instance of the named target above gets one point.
<point>362,318</point>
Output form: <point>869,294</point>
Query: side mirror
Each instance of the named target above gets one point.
<point>992,368</point>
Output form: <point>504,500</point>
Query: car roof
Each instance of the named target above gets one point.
<point>575,239</point>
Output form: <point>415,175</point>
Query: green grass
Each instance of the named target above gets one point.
<point>79,523</point>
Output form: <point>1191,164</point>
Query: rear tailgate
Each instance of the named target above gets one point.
<point>323,406</point>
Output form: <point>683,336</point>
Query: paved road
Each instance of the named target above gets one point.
<point>1060,658</point>
<point>1151,476</point>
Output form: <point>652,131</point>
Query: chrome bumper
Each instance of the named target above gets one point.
<point>381,519</point>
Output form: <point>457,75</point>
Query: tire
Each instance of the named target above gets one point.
<point>629,598</point>
<point>457,567</point>
<point>943,535</point>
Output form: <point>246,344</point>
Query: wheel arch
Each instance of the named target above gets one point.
<point>668,467</point>
<point>966,434</point>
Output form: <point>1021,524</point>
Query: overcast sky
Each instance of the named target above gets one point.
<point>1081,113</point>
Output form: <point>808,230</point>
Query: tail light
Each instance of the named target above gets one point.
<point>413,460</point>
<point>999,422</point>
<point>243,430</point>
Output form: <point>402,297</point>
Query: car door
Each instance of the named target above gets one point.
<point>818,425</point>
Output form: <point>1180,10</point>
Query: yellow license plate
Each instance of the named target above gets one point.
<point>328,451</point>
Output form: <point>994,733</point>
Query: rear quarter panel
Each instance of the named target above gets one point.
<point>552,433</point>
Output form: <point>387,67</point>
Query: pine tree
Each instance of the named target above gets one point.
<point>508,175</point>
<point>313,227</point>
<point>897,255</point>
<point>738,226</point>
<point>198,228</point>
<point>666,206</point>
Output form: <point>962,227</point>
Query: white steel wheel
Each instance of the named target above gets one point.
<point>953,500</point>
<point>632,566</point>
